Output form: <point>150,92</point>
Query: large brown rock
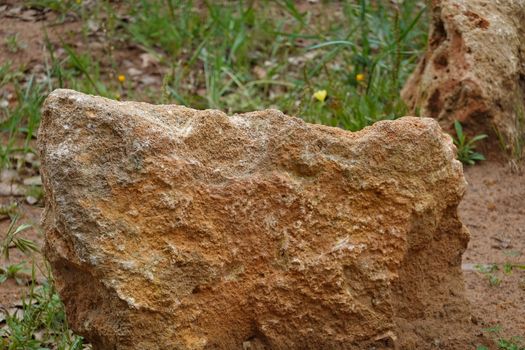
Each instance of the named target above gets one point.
<point>172,228</point>
<point>474,68</point>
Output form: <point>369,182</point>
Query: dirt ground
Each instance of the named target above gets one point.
<point>494,211</point>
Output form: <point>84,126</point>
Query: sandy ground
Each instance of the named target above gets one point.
<point>494,211</point>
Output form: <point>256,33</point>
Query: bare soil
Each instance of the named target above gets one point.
<point>494,211</point>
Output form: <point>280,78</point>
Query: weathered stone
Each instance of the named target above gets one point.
<point>473,70</point>
<point>172,228</point>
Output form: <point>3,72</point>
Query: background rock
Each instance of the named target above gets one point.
<point>473,70</point>
<point>172,228</point>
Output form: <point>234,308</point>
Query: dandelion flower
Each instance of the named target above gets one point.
<point>360,77</point>
<point>122,78</point>
<point>320,95</point>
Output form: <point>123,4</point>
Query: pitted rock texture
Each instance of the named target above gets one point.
<point>474,68</point>
<point>173,228</point>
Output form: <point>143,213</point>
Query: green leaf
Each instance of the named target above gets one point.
<point>77,344</point>
<point>26,245</point>
<point>478,138</point>
<point>21,228</point>
<point>459,129</point>
<point>477,156</point>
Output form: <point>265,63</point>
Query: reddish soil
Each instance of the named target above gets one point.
<point>494,211</point>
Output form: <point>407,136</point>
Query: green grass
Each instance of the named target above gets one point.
<point>495,273</point>
<point>514,146</point>
<point>502,343</point>
<point>39,321</point>
<point>246,57</point>
<point>13,44</point>
<point>466,146</point>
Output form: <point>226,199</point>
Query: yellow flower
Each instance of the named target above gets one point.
<point>79,1</point>
<point>320,95</point>
<point>122,78</point>
<point>360,77</point>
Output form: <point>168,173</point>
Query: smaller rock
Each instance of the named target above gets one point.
<point>8,176</point>
<point>134,72</point>
<point>148,59</point>
<point>149,80</point>
<point>473,69</point>
<point>33,181</point>
<point>31,200</point>
<point>11,190</point>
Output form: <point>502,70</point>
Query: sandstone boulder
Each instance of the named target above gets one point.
<point>474,68</point>
<point>173,228</point>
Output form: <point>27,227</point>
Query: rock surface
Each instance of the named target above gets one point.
<point>172,228</point>
<point>474,68</point>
